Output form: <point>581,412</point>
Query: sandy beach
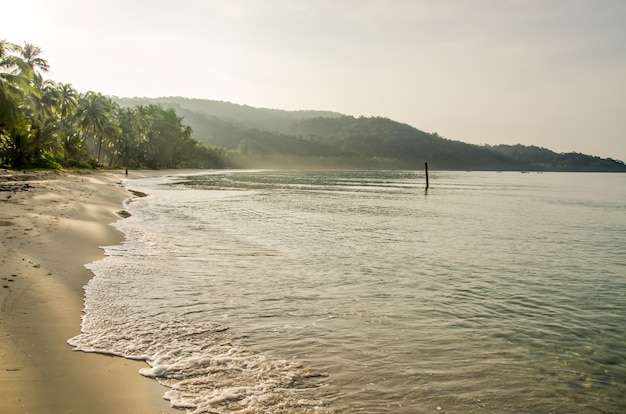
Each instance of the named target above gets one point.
<point>52,224</point>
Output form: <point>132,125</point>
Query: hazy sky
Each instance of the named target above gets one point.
<point>550,73</point>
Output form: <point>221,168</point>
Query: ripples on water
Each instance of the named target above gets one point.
<point>357,291</point>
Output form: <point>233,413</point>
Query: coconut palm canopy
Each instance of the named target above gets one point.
<point>49,125</point>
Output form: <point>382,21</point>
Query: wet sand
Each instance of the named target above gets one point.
<point>51,225</point>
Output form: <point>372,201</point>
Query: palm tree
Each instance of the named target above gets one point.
<point>59,102</point>
<point>44,138</point>
<point>17,94</point>
<point>130,123</point>
<point>66,107</point>
<point>68,100</point>
<point>49,98</point>
<point>31,55</point>
<point>95,118</point>
<point>9,87</point>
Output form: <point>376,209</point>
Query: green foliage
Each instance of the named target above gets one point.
<point>78,164</point>
<point>257,137</point>
<point>542,159</point>
<point>48,125</point>
<point>48,162</point>
<point>195,112</point>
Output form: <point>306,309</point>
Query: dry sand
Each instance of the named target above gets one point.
<point>51,225</point>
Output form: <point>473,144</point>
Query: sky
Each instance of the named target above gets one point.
<point>550,73</point>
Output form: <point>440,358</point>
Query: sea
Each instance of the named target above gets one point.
<point>269,291</point>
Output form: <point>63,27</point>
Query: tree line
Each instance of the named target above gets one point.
<point>319,139</point>
<point>50,125</point>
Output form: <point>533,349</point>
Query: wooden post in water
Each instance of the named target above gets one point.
<point>426,168</point>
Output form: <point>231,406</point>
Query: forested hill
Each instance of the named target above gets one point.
<point>270,138</point>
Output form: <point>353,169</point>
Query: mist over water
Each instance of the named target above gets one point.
<point>285,291</point>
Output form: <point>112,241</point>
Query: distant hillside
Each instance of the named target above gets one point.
<point>542,159</point>
<point>271,138</point>
<point>400,144</point>
<point>243,115</point>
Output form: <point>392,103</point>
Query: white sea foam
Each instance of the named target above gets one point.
<point>133,309</point>
<point>201,362</point>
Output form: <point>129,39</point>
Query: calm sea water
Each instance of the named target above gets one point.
<point>285,291</point>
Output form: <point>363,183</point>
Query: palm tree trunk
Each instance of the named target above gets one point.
<point>99,147</point>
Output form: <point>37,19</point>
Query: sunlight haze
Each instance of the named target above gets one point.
<point>545,73</point>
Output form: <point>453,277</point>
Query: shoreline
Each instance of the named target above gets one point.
<point>53,223</point>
